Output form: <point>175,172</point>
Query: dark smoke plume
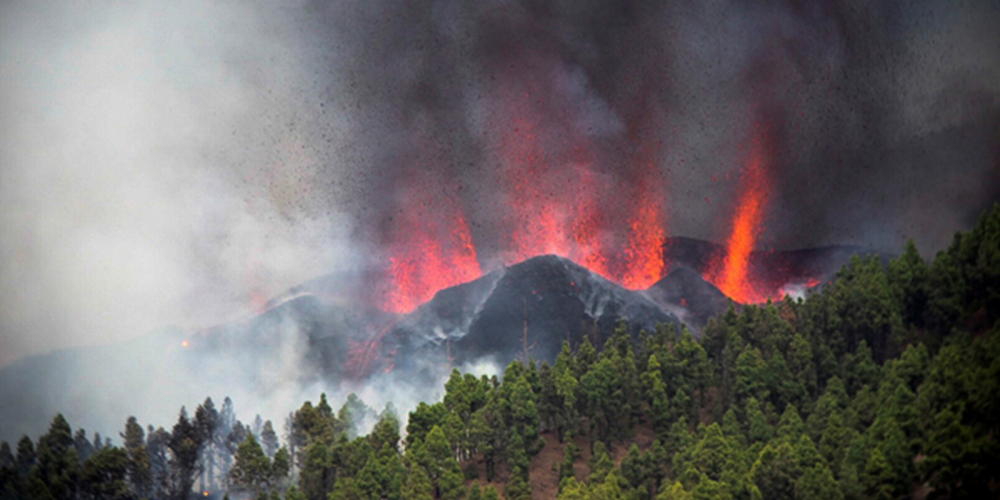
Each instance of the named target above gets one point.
<point>888,112</point>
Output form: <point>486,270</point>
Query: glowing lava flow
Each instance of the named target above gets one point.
<point>731,274</point>
<point>430,267</point>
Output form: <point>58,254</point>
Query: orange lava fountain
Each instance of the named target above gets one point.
<point>588,243</point>
<point>732,273</point>
<point>434,251</point>
<point>537,224</point>
<point>644,262</point>
<point>644,253</point>
<point>555,203</point>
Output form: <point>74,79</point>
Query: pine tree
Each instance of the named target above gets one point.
<point>817,483</point>
<point>790,426</point>
<point>423,419</point>
<point>585,357</point>
<point>269,439</point>
<point>832,443</point>
<point>386,431</point>
<point>26,456</point>
<point>58,466</point>
<point>316,475</point>
<point>104,475</point>
<point>566,385</point>
<point>758,430</point>
<point>517,488</point>
<point>600,464</point>
<point>909,279</point>
<point>750,379</point>
<point>877,477</point>
<point>184,446</point>
<point>139,471</point>
<point>352,415</point>
<point>566,469</point>
<point>711,455</point>
<point>475,492</point>
<point>206,421</point>
<point>418,485</point>
<point>84,447</point>
<point>251,467</point>
<point>490,493</point>
<point>776,471</point>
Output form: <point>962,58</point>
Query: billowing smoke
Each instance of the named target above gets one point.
<point>182,163</point>
<point>521,116</point>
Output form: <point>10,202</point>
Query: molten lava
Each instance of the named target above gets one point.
<point>537,223</point>
<point>555,202</point>
<point>588,242</point>
<point>572,212</point>
<point>644,253</point>
<point>644,263</point>
<point>431,251</point>
<point>732,272</point>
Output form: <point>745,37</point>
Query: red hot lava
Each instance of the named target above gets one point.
<point>588,241</point>
<point>556,202</point>
<point>430,251</point>
<point>576,213</point>
<point>644,263</point>
<point>732,272</point>
<point>537,223</point>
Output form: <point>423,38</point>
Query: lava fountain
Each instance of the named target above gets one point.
<point>431,249</point>
<point>731,272</point>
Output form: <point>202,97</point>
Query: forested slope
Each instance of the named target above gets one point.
<point>886,384</point>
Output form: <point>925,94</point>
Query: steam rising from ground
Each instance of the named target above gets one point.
<point>182,162</point>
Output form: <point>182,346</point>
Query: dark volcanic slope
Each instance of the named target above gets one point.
<point>685,292</point>
<point>550,298</point>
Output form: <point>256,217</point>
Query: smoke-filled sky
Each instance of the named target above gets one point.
<point>177,162</point>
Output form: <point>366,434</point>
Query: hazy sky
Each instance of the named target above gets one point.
<point>171,162</point>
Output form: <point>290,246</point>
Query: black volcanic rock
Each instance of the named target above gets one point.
<point>549,297</point>
<point>692,298</point>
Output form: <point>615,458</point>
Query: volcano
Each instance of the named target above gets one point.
<point>523,311</point>
<point>331,332</point>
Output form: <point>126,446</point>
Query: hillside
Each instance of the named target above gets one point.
<point>882,385</point>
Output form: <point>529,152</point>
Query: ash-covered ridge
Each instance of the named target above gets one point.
<point>527,309</point>
<point>688,295</point>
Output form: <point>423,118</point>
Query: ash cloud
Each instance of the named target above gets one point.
<point>886,114</point>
